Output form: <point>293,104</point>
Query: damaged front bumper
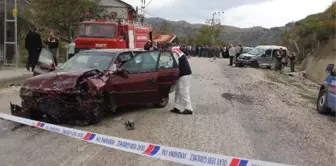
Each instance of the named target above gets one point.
<point>57,107</point>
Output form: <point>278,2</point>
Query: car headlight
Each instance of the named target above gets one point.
<point>253,57</point>
<point>26,92</point>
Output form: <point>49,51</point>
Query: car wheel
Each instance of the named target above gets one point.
<point>97,114</point>
<point>163,103</point>
<point>321,106</point>
<point>255,64</point>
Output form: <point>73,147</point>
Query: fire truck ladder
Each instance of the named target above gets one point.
<point>14,62</point>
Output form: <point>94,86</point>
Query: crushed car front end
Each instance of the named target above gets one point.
<point>62,98</point>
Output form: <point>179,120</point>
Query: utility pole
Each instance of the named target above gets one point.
<point>6,42</point>
<point>213,22</point>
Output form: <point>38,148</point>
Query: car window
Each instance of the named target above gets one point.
<point>125,56</point>
<point>166,60</point>
<point>89,60</point>
<point>46,57</point>
<point>142,63</point>
<point>268,53</point>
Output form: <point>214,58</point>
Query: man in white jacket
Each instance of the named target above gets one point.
<point>232,54</point>
<point>182,89</point>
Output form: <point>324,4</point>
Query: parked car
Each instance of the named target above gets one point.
<point>326,101</point>
<point>86,86</point>
<point>260,56</point>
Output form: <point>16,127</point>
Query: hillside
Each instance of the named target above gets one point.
<point>312,32</point>
<point>245,36</point>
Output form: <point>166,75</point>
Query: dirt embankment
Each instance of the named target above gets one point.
<point>315,64</point>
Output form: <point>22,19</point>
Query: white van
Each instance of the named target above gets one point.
<point>262,56</point>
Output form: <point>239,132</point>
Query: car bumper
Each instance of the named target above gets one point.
<point>57,106</point>
<point>242,62</point>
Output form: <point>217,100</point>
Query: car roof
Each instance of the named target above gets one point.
<point>271,47</point>
<point>112,50</point>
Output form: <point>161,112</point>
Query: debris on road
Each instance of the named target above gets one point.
<point>130,125</point>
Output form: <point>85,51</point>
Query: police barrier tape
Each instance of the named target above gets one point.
<point>177,155</point>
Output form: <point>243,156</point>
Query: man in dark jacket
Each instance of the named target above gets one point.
<point>148,45</point>
<point>182,95</point>
<point>33,45</point>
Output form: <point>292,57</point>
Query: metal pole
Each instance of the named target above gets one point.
<point>5,34</point>
<point>15,38</point>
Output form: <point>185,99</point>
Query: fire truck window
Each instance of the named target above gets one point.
<point>166,60</point>
<point>97,30</point>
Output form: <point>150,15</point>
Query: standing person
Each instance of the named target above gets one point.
<point>182,91</point>
<point>239,50</point>
<point>279,56</point>
<point>53,43</point>
<point>33,45</point>
<point>148,45</point>
<point>232,54</point>
<point>292,61</point>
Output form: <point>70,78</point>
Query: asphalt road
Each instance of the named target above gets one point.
<point>238,112</point>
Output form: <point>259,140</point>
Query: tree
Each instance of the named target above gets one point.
<point>62,15</point>
<point>165,27</point>
<point>208,35</point>
<point>189,32</point>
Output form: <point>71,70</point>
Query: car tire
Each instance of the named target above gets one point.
<point>97,115</point>
<point>254,64</point>
<point>321,106</point>
<point>163,103</point>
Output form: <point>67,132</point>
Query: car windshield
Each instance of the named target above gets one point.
<point>256,51</point>
<point>246,50</point>
<point>89,60</point>
<point>97,30</point>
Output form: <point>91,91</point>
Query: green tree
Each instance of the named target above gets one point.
<point>62,15</point>
<point>208,34</point>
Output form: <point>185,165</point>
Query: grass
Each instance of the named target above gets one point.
<point>288,81</point>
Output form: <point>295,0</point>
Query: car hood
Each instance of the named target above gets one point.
<point>53,81</point>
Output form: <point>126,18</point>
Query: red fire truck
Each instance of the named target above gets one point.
<point>102,33</point>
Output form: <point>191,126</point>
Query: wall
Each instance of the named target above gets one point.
<point>315,65</point>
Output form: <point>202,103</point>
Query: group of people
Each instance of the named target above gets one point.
<point>33,45</point>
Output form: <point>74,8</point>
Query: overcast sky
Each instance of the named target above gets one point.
<point>240,13</point>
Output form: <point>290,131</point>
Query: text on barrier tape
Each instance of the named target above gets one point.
<point>177,155</point>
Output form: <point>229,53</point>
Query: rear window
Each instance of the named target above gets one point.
<point>97,30</point>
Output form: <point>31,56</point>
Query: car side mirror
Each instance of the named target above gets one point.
<point>263,55</point>
<point>330,68</point>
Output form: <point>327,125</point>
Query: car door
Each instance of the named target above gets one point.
<point>168,73</point>
<point>265,58</point>
<point>45,62</point>
<point>140,83</point>
<point>331,96</point>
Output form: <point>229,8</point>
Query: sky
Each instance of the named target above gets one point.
<point>239,13</point>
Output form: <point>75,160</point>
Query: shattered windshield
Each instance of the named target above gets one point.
<point>256,51</point>
<point>89,60</point>
<point>97,30</point>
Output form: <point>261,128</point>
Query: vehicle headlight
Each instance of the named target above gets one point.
<point>253,57</point>
<point>26,92</point>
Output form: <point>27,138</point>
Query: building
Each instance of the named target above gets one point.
<point>123,10</point>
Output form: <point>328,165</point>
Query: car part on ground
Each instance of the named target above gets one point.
<point>130,125</point>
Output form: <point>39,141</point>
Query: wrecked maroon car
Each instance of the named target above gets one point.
<point>96,81</point>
